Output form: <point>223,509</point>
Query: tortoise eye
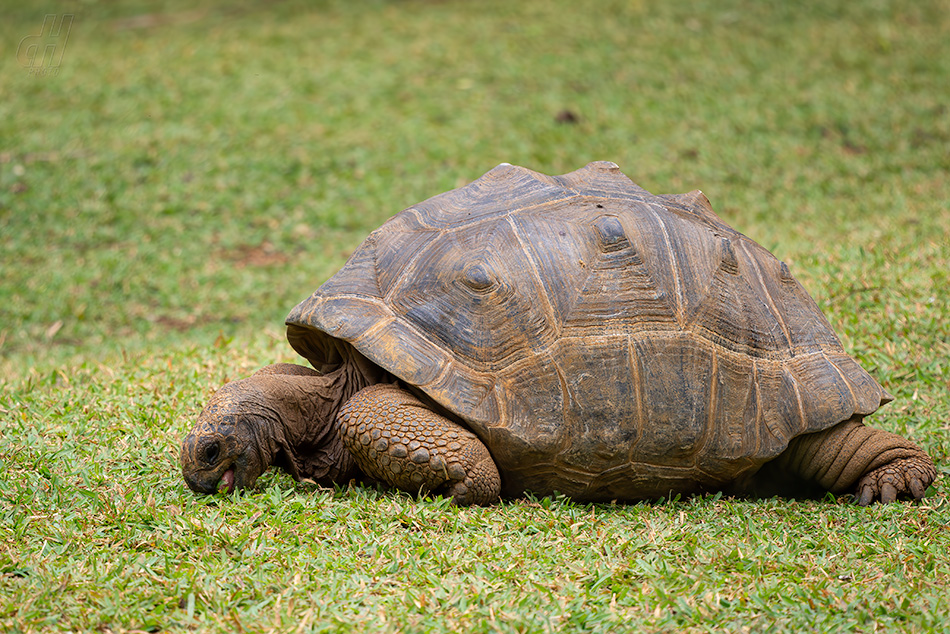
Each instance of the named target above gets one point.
<point>212,452</point>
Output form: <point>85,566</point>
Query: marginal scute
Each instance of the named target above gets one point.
<point>399,349</point>
<point>676,373</point>
<point>462,389</point>
<point>733,396</point>
<point>605,392</point>
<point>345,317</point>
<point>825,392</point>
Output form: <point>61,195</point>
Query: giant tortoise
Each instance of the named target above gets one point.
<point>570,334</point>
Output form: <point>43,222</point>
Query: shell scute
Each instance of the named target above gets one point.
<point>604,392</point>
<point>476,297</point>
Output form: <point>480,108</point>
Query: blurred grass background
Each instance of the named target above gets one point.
<point>194,169</point>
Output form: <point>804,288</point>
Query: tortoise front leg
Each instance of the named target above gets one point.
<point>395,438</point>
<point>875,464</point>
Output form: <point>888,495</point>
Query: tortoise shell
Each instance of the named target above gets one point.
<point>603,342</point>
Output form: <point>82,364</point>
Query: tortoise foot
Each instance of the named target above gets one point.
<point>481,484</point>
<point>901,478</point>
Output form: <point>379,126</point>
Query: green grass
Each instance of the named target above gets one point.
<point>195,169</point>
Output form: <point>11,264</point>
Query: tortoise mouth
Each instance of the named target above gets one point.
<point>227,481</point>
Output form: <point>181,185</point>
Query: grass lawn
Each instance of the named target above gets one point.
<point>192,170</point>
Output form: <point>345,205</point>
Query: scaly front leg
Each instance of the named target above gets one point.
<point>395,438</point>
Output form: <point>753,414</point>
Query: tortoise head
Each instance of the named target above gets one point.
<point>228,445</point>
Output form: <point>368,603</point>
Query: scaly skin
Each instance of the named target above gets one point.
<point>395,438</point>
<point>313,426</point>
<point>282,415</point>
<point>874,464</point>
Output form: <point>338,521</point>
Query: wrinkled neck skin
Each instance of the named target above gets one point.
<point>284,415</point>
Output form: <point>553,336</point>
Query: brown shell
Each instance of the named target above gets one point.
<point>603,342</point>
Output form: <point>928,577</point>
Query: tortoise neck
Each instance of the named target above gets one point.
<point>302,436</point>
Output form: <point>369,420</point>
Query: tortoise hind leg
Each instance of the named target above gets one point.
<point>875,464</point>
<point>397,439</point>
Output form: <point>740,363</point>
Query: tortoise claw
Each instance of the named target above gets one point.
<point>888,493</point>
<point>905,477</point>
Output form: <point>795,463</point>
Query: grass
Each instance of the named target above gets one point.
<point>195,169</point>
